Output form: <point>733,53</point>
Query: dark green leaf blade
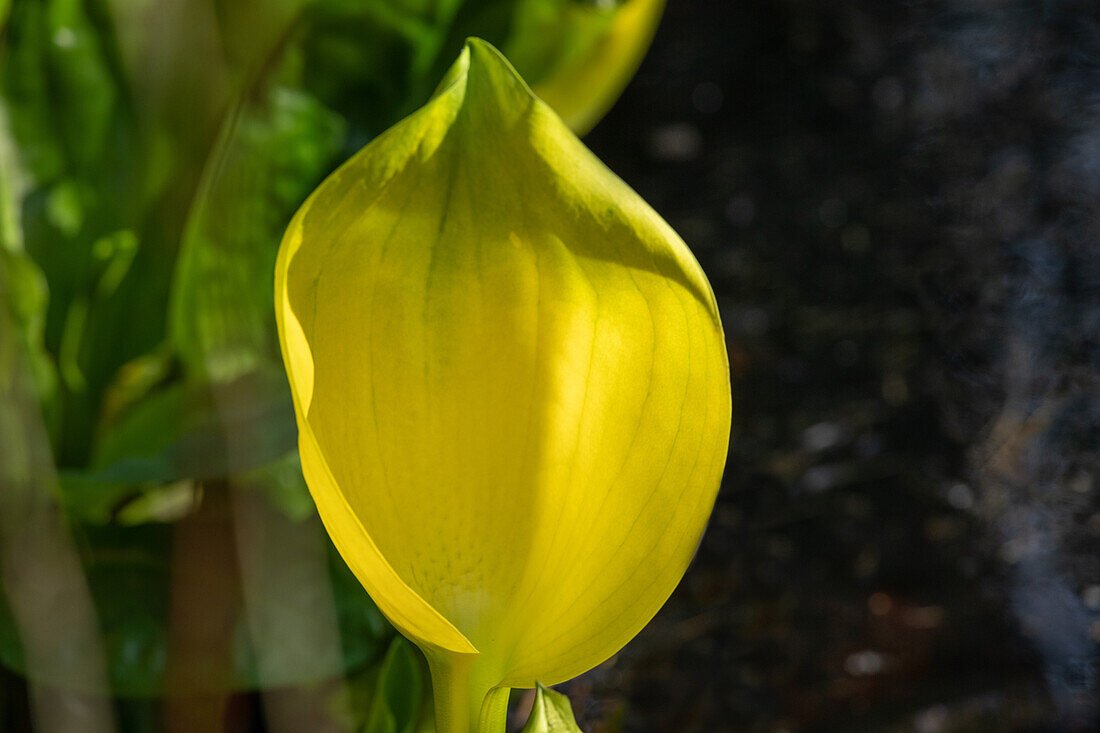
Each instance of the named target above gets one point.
<point>399,691</point>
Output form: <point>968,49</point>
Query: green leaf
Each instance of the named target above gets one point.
<point>59,82</point>
<point>183,433</point>
<point>371,61</point>
<point>362,626</point>
<point>186,432</point>
<point>26,293</point>
<point>221,319</point>
<point>80,197</point>
<point>25,80</point>
<point>166,503</point>
<point>399,691</point>
<point>251,30</point>
<point>82,83</point>
<point>552,713</point>
<point>25,285</point>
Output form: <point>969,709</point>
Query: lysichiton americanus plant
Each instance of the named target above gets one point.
<point>511,388</point>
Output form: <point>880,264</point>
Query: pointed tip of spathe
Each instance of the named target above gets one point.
<point>482,54</point>
<point>483,69</point>
<point>457,73</point>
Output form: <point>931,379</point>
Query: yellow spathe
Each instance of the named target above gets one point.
<point>511,388</point>
<point>585,88</point>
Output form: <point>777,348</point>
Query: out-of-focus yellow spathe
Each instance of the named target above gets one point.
<point>583,89</point>
<point>511,388</point>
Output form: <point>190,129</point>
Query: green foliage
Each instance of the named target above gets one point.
<point>370,60</point>
<point>152,191</point>
<point>222,322</point>
<point>399,691</point>
<point>183,432</point>
<point>129,576</point>
<point>151,155</point>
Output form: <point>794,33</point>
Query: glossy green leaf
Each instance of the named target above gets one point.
<point>551,713</point>
<point>399,691</point>
<point>270,157</point>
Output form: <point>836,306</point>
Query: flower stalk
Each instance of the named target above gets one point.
<point>465,700</point>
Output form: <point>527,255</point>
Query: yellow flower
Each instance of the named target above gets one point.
<point>583,88</point>
<point>511,388</point>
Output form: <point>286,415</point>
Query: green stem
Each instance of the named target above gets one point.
<point>464,702</point>
<point>494,711</point>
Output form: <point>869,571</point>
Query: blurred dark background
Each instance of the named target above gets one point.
<point>896,203</point>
